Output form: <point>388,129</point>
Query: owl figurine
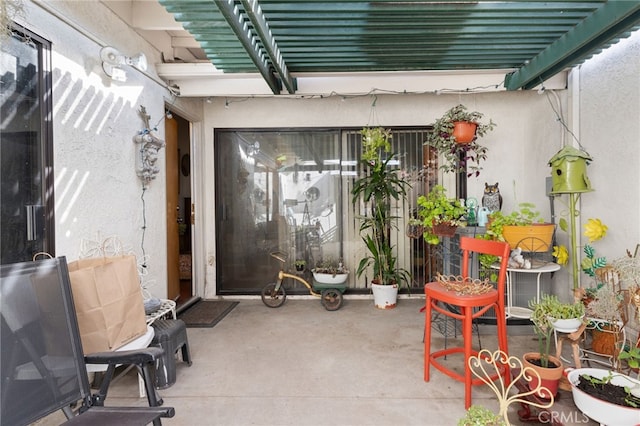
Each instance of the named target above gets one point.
<point>492,199</point>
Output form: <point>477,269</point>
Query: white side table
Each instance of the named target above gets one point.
<point>167,306</point>
<point>520,311</point>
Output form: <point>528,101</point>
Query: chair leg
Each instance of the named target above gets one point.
<point>467,332</point>
<point>98,398</point>
<point>476,326</point>
<point>149,384</point>
<point>186,355</point>
<point>503,344</point>
<point>68,412</point>
<point>427,338</point>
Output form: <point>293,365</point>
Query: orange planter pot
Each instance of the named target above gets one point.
<point>532,238</point>
<point>606,341</point>
<point>549,377</point>
<point>464,131</point>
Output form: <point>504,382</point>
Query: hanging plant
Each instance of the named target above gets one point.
<point>460,157</point>
<point>437,211</point>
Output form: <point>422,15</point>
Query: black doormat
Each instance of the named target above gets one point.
<point>207,313</point>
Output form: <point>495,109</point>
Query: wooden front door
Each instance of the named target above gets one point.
<point>173,243</point>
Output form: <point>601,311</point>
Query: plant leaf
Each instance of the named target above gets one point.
<point>589,251</point>
<point>562,223</point>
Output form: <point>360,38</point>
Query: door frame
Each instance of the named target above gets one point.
<point>198,264</point>
<point>45,148</point>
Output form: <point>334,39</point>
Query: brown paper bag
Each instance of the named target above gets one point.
<point>108,301</point>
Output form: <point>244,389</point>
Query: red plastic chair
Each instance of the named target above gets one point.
<point>468,307</point>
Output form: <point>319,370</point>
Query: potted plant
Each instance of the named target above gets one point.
<point>300,264</point>
<point>605,301</point>
<point>607,314</point>
<point>440,215</point>
<point>376,189</point>
<point>461,155</point>
<point>605,396</point>
<point>522,228</point>
<point>478,415</point>
<point>330,271</point>
<point>628,269</point>
<point>567,317</point>
<point>543,315</point>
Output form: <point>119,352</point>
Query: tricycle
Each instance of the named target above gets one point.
<point>274,294</point>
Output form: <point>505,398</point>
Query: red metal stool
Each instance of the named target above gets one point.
<point>468,307</point>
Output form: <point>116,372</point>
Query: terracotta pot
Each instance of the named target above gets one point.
<point>549,377</point>
<point>604,341</point>
<point>464,131</point>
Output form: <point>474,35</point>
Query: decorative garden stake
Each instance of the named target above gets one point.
<point>569,176</point>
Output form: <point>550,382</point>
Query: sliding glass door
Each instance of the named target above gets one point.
<point>288,191</point>
<point>26,171</point>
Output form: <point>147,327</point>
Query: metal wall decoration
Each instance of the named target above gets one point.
<point>148,145</point>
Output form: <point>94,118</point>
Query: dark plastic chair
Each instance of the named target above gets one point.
<point>43,367</point>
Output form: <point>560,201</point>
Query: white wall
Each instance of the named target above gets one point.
<point>526,137</point>
<point>609,101</point>
<point>607,123</point>
<point>97,192</point>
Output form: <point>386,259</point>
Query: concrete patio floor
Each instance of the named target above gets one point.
<point>302,365</point>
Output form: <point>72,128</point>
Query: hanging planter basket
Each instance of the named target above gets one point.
<point>414,230</point>
<point>464,131</point>
<point>444,229</point>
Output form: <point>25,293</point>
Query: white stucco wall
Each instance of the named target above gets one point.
<point>97,191</point>
<point>609,101</point>
<point>526,137</point>
<point>606,94</point>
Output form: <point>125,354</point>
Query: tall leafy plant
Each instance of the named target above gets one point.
<point>377,188</point>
